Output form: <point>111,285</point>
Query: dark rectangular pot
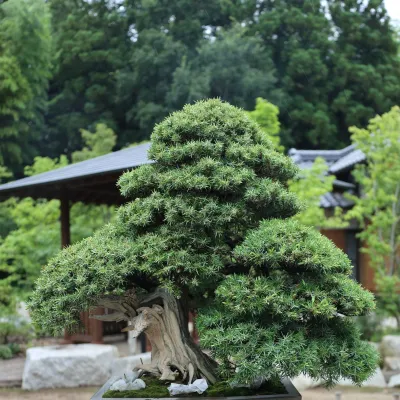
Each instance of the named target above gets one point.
<point>292,394</point>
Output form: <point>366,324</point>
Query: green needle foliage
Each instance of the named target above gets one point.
<point>209,221</point>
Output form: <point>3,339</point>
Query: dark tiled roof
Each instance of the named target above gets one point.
<point>330,200</point>
<point>337,161</point>
<point>134,156</point>
<point>114,162</point>
<point>305,158</point>
<point>347,161</point>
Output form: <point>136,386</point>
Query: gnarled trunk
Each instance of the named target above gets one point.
<point>162,319</point>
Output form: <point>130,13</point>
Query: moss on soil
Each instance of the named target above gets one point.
<point>156,389</point>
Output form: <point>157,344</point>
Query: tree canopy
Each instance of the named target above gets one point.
<point>25,58</point>
<point>327,65</point>
<point>209,223</point>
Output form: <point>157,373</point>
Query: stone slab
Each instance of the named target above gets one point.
<point>68,366</point>
<point>303,382</point>
<point>390,346</point>
<point>392,363</point>
<point>394,381</point>
<point>377,380</point>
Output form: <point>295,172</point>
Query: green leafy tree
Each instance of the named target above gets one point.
<point>101,142</point>
<point>378,207</point>
<point>266,116</point>
<point>216,71</point>
<point>91,41</point>
<point>299,36</point>
<point>144,83</point>
<point>6,221</point>
<point>365,66</point>
<point>14,96</point>
<point>336,63</point>
<point>25,57</point>
<point>309,186</point>
<point>32,235</point>
<point>208,228</point>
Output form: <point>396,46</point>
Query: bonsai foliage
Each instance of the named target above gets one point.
<point>208,228</point>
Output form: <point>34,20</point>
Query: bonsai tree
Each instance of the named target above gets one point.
<point>207,228</point>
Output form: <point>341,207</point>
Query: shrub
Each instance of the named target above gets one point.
<point>5,352</point>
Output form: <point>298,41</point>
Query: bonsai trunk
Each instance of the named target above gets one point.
<point>162,319</point>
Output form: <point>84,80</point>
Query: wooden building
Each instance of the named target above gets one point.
<point>341,164</point>
<point>94,182</point>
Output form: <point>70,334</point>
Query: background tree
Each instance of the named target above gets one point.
<point>215,72</point>
<point>30,229</point>
<point>144,83</point>
<point>378,208</point>
<point>25,57</point>
<point>327,65</point>
<point>266,116</point>
<point>6,222</point>
<point>214,235</point>
<point>310,185</point>
<point>91,40</point>
<point>101,142</point>
<point>298,35</point>
<point>365,65</point>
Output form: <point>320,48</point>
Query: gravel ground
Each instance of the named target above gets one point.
<point>48,394</point>
<point>348,394</point>
<point>86,393</point>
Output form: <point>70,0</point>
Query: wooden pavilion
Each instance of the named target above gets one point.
<point>91,182</point>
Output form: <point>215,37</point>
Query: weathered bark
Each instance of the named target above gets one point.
<point>162,319</point>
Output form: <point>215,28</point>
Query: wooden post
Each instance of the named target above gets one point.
<point>65,220</point>
<point>96,328</point>
<point>65,236</point>
<point>92,326</point>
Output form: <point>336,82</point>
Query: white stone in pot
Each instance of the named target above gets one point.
<point>119,385</point>
<point>137,384</point>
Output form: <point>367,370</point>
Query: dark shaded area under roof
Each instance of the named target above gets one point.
<point>90,181</point>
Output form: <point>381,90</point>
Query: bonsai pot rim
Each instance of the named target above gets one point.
<point>292,394</point>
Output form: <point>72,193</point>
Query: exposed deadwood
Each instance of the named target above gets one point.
<point>161,318</point>
<point>125,307</point>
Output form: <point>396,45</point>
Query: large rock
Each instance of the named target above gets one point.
<point>122,365</point>
<point>303,382</point>
<point>376,380</point>
<point>390,346</point>
<point>394,381</point>
<point>392,363</point>
<point>68,366</point>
